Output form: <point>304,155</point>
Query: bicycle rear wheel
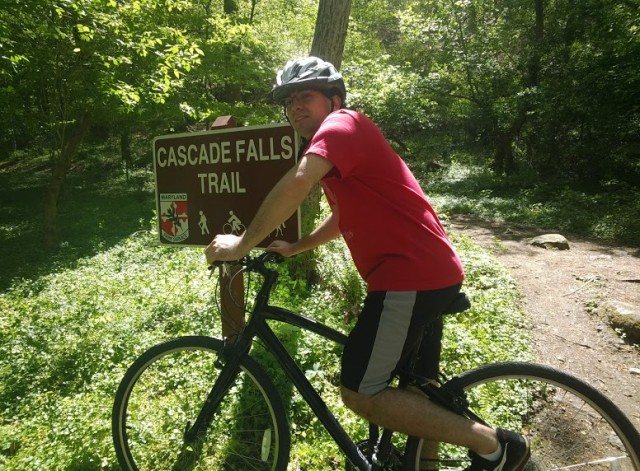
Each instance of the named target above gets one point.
<point>163,392</point>
<point>571,425</point>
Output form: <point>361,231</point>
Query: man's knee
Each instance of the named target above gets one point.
<point>360,403</point>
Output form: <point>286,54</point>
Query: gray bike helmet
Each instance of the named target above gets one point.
<point>309,72</point>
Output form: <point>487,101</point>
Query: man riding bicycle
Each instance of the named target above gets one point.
<point>398,246</point>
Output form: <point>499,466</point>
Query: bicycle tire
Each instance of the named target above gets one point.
<point>569,422</point>
<point>162,393</point>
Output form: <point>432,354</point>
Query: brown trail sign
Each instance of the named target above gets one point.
<point>213,182</point>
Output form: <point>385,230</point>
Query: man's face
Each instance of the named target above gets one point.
<point>306,109</point>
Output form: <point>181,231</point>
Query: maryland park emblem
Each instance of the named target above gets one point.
<point>174,220</point>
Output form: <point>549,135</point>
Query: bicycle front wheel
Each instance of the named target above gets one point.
<point>571,425</point>
<point>161,396</point>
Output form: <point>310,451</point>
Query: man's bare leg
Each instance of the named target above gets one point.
<point>429,456</point>
<point>429,450</point>
<point>413,414</point>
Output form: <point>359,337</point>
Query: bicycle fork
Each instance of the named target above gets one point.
<point>229,365</point>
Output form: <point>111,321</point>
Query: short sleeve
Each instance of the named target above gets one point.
<point>336,141</point>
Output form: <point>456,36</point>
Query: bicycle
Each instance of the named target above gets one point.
<point>197,402</point>
<point>229,228</point>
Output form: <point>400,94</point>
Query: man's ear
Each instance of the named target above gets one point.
<point>336,102</point>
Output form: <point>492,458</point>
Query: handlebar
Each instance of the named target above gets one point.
<point>249,263</point>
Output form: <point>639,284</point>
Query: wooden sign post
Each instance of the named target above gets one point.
<point>231,282</point>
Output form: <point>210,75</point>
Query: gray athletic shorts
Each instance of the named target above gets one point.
<point>388,330</point>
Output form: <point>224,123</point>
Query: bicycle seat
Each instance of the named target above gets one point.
<point>459,304</point>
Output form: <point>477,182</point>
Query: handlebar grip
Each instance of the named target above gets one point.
<point>272,257</point>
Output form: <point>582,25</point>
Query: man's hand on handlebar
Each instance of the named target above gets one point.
<point>225,248</point>
<point>228,248</point>
<point>286,249</point>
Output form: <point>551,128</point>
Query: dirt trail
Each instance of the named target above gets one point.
<point>562,290</point>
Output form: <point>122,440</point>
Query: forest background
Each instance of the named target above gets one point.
<point>543,90</point>
<point>522,110</point>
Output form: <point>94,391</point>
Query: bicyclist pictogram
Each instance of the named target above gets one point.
<point>233,225</point>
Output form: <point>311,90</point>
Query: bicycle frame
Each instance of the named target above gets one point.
<point>258,327</point>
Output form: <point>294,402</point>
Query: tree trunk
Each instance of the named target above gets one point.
<point>62,161</point>
<point>331,30</point>
<point>125,151</point>
<point>328,44</point>
<point>253,11</point>
<point>504,159</point>
<point>538,39</point>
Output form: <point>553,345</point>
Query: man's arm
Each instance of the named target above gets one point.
<point>325,232</point>
<point>278,206</point>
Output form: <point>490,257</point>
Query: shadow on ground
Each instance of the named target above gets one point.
<point>95,213</point>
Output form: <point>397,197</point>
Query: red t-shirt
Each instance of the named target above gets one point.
<point>394,236</point>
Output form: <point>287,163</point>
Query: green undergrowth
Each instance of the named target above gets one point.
<point>67,338</point>
<point>608,211</point>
